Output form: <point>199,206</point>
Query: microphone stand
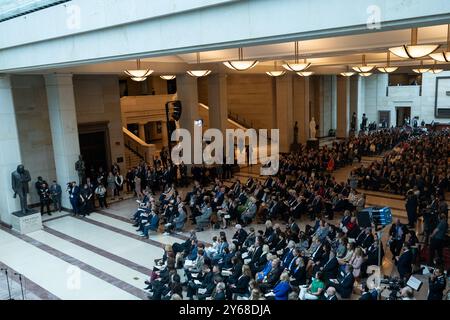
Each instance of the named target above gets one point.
<point>7,281</point>
<point>21,285</point>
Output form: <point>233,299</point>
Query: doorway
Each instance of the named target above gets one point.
<point>94,146</point>
<point>402,113</point>
<point>384,119</point>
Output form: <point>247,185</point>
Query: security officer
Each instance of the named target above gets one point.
<point>437,284</point>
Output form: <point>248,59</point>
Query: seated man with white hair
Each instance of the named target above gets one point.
<point>330,294</point>
<point>239,236</point>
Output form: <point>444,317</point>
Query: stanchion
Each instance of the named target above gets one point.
<point>7,281</point>
<point>21,284</point>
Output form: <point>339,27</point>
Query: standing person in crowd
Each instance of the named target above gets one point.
<point>437,239</point>
<point>364,122</point>
<point>92,187</point>
<point>137,186</point>
<point>111,185</point>
<point>130,181</point>
<point>115,169</point>
<point>44,196</point>
<point>56,194</point>
<point>411,208</point>
<point>74,196</point>
<point>100,191</point>
<point>38,184</point>
<point>183,175</point>
<point>119,185</point>
<point>86,195</point>
<point>397,236</point>
<point>437,284</point>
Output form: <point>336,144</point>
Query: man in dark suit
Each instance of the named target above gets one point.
<point>330,294</point>
<point>344,285</point>
<point>404,262</point>
<point>293,226</point>
<point>239,236</point>
<point>272,277</point>
<point>374,257</point>
<point>397,235</point>
<point>331,267</point>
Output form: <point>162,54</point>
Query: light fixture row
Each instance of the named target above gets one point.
<point>411,51</point>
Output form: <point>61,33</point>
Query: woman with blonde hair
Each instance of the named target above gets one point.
<point>282,288</point>
<point>356,261</point>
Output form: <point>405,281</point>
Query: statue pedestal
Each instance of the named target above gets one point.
<point>312,144</point>
<point>26,223</point>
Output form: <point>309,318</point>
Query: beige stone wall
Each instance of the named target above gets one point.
<point>252,97</point>
<point>97,99</point>
<point>30,102</point>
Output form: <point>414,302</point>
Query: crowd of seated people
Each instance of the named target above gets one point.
<point>418,162</point>
<point>342,153</point>
<point>322,261</point>
<point>281,262</point>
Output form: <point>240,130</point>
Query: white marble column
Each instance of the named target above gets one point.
<point>64,127</point>
<point>10,156</point>
<point>218,101</point>
<point>343,107</point>
<point>187,93</point>
<point>285,123</point>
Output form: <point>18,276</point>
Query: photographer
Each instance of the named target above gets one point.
<point>437,284</point>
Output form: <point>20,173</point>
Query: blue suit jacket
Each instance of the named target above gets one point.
<point>281,290</point>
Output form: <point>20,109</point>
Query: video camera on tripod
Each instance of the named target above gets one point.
<point>394,285</point>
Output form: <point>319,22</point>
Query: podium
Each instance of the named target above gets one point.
<point>26,223</point>
<point>312,144</point>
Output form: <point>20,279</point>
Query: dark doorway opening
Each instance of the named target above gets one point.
<point>403,115</point>
<point>95,147</point>
<point>93,150</point>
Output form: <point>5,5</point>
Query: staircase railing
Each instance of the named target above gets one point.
<point>138,146</point>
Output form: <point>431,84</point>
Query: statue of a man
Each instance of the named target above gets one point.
<point>81,169</point>
<point>312,128</point>
<point>19,181</point>
<point>296,133</point>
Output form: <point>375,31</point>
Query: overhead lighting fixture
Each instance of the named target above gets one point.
<point>435,70</point>
<point>275,72</point>
<point>443,56</point>
<point>138,74</point>
<point>305,73</point>
<point>138,79</point>
<point>198,73</point>
<point>347,73</point>
<point>365,74</point>
<point>241,64</point>
<point>296,66</point>
<point>387,68</point>
<point>168,77</point>
<point>421,69</point>
<point>414,51</point>
<point>364,68</point>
